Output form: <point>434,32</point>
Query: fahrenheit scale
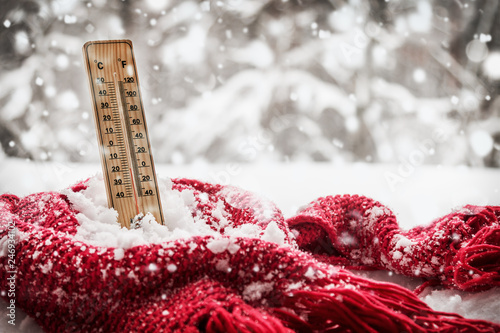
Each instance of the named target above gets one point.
<point>126,157</point>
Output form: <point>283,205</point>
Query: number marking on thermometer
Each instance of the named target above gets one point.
<point>122,133</point>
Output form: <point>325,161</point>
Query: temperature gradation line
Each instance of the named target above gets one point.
<point>122,134</point>
<point>125,124</point>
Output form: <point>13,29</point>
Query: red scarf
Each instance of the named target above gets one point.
<point>239,284</point>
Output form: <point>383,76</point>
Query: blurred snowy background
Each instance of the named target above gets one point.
<point>401,82</point>
<point>400,97</point>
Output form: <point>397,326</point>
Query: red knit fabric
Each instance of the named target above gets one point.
<point>223,284</point>
<point>461,250</point>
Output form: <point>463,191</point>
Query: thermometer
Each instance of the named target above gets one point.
<point>122,133</point>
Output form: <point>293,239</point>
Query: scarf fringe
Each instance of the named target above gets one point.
<point>343,309</point>
<point>243,319</point>
<point>477,266</point>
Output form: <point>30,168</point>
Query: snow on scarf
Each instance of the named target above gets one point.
<point>246,284</point>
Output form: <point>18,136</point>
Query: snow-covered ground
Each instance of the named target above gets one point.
<point>415,194</point>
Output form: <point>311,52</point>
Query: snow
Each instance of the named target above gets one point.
<point>476,50</point>
<point>483,305</point>
<point>223,266</point>
<point>397,255</point>
<point>171,268</point>
<point>119,254</point>
<point>310,273</point>
<point>421,20</point>
<point>274,234</point>
<point>402,241</point>
<point>152,267</point>
<point>481,142</point>
<point>219,245</point>
<point>374,213</point>
<point>419,75</point>
<point>256,53</point>
<point>99,227</point>
<point>255,290</point>
<point>491,65</point>
<point>21,42</point>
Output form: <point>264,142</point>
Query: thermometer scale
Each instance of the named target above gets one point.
<point>122,133</point>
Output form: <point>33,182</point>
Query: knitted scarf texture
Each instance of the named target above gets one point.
<point>244,284</point>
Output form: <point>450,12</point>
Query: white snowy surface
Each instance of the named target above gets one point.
<point>99,226</point>
<point>416,198</point>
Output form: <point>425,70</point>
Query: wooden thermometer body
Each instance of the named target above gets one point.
<point>126,157</point>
